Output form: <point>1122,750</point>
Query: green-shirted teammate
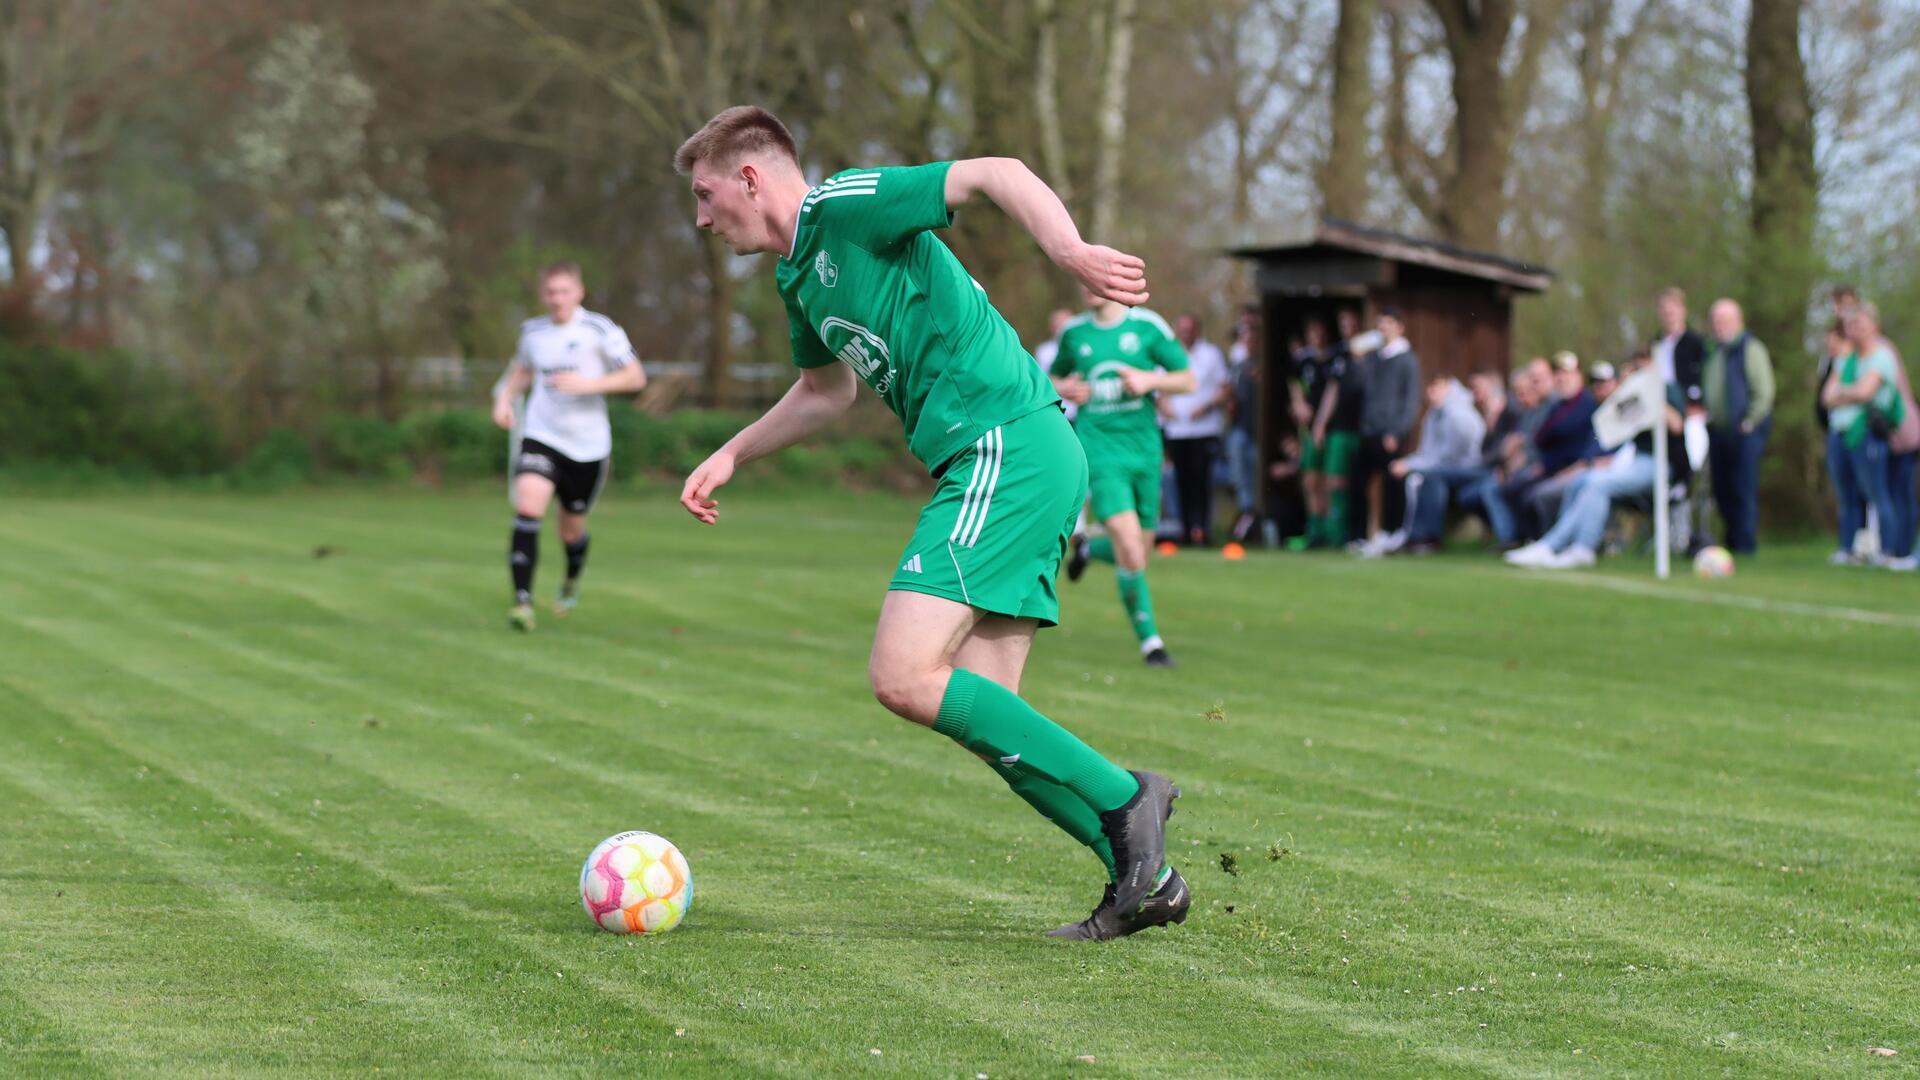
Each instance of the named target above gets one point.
<point>1111,361</point>
<point>873,296</point>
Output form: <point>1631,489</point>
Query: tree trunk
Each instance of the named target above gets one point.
<point>1343,182</point>
<point>1785,180</point>
<point>1112,121</point>
<point>1474,200</point>
<point>1046,97</point>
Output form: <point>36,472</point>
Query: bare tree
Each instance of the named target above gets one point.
<point>1112,123</point>
<point>69,72</point>
<point>1462,190</point>
<point>1344,179</point>
<point>1785,180</point>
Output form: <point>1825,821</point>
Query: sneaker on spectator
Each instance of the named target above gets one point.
<point>1904,563</point>
<point>1533,556</point>
<point>1574,558</point>
<point>1840,558</point>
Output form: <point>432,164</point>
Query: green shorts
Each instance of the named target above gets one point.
<point>1333,456</point>
<point>1120,487</point>
<point>996,528</point>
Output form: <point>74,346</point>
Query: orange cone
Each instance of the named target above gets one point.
<point>1168,547</point>
<point>1233,552</point>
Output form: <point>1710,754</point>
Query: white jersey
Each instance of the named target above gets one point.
<point>574,424</point>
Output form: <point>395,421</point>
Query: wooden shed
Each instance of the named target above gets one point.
<point>1457,303</point>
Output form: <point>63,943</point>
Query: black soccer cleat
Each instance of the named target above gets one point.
<point>1103,925</point>
<point>1077,557</point>
<point>1168,905</point>
<point>1158,658</point>
<point>1138,833</point>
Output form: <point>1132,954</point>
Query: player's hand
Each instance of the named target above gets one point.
<point>697,495</point>
<point>572,382</point>
<point>1392,443</point>
<point>503,414</point>
<point>1107,273</point>
<point>1076,390</point>
<point>1137,383</point>
<point>1302,416</point>
<point>1398,469</point>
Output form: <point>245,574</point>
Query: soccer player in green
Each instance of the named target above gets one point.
<point>873,296</point>
<point>1110,361</point>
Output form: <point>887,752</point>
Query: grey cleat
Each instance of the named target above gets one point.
<point>1138,833</point>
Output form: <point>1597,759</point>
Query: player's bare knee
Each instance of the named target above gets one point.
<point>896,694</point>
<point>902,690</point>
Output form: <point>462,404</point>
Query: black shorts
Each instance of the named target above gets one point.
<point>576,483</point>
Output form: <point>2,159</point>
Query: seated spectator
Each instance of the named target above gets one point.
<point>1601,381</point>
<point>1513,453</point>
<point>1449,444</point>
<point>1427,510</point>
<point>1562,445</point>
<point>1627,473</point>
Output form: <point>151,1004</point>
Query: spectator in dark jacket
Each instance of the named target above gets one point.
<point>1737,385</point>
<point>1562,446</point>
<point>1391,406</point>
<point>1678,351</point>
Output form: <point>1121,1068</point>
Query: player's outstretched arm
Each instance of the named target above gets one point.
<point>821,394</point>
<point>1027,199</point>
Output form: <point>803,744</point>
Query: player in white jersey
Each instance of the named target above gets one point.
<point>566,362</point>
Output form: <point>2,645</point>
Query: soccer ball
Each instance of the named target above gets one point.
<point>1713,562</point>
<point>636,883</point>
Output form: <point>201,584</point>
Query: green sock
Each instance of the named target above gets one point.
<point>1316,527</point>
<point>1100,549</point>
<point>1061,806</point>
<point>1138,600</point>
<point>992,721</point>
<point>1338,511</point>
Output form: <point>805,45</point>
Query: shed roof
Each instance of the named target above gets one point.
<point>1333,236</point>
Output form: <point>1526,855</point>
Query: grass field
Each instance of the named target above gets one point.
<point>262,811</point>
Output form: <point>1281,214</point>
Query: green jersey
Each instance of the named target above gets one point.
<point>1111,424</point>
<point>868,283</point>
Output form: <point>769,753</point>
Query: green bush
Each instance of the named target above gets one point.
<point>282,460</point>
<point>364,446</point>
<point>455,444</point>
<point>102,408</point>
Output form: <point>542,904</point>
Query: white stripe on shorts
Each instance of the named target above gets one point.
<point>993,480</point>
<point>973,488</point>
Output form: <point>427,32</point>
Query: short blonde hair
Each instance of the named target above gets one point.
<point>741,130</point>
<point>1673,293</point>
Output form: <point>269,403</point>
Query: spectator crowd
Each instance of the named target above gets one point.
<point>1373,455</point>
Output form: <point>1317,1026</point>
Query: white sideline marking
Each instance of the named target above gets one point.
<point>1754,603</point>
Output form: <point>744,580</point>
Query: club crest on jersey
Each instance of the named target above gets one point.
<point>1129,342</point>
<point>862,349</point>
<point>829,273</point>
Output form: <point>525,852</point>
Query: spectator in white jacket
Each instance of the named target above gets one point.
<point>1450,438</point>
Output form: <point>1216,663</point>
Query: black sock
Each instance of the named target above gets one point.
<point>525,554</point>
<point>577,557</point>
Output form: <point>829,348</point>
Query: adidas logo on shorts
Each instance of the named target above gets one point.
<point>913,565</point>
